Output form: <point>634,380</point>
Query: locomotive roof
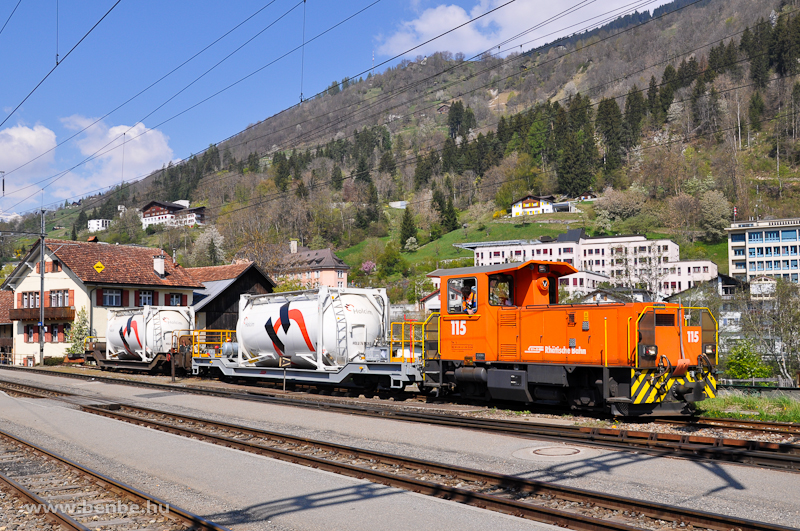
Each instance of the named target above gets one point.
<point>559,268</point>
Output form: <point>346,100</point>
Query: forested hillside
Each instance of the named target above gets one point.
<point>674,117</point>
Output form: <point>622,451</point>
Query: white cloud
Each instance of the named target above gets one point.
<point>20,145</point>
<point>489,31</point>
<point>145,150</point>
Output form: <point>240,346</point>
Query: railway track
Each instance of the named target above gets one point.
<point>785,428</point>
<point>566,507</point>
<point>732,450</point>
<point>71,496</point>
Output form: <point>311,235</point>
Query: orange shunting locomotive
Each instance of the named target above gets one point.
<point>502,335</point>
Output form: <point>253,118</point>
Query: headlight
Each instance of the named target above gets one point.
<point>543,268</point>
<point>708,349</point>
<point>651,350</point>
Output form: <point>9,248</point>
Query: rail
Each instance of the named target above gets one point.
<point>532,499</point>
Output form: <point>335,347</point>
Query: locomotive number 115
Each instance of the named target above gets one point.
<point>693,336</point>
<point>458,328</point>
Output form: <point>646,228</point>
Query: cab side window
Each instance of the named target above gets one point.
<point>462,295</point>
<point>501,290</point>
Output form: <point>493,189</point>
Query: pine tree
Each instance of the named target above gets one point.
<point>337,177</point>
<point>361,174</point>
<point>74,236</point>
<point>652,97</point>
<point>387,163</point>
<point>537,139</point>
<point>408,228</point>
<point>609,125</point>
<point>756,110</point>
<point>635,109</point>
<point>449,217</point>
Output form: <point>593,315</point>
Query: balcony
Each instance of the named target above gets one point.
<point>50,314</point>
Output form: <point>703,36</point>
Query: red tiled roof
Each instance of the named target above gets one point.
<point>6,304</point>
<point>213,273</point>
<point>124,264</point>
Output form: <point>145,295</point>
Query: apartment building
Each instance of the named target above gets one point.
<point>616,260</point>
<point>764,248</point>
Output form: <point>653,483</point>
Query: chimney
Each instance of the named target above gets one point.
<point>293,246</point>
<point>158,265</point>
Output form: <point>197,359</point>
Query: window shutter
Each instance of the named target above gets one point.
<point>137,298</point>
<point>25,333</point>
<point>46,299</point>
<point>60,333</point>
<point>124,298</point>
<point>71,301</point>
<point>99,299</point>
<point>166,299</point>
<point>35,333</point>
<point>184,300</point>
<point>38,266</point>
<point>155,298</point>
<point>19,300</point>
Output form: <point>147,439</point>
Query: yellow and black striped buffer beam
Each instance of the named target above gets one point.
<point>649,388</point>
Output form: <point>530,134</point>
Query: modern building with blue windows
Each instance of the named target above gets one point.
<point>764,248</point>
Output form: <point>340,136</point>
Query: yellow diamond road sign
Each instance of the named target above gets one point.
<point>99,267</point>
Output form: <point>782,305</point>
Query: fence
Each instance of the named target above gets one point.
<point>778,382</point>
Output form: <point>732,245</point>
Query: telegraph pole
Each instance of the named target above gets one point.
<point>41,290</point>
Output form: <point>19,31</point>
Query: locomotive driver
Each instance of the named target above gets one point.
<point>469,300</point>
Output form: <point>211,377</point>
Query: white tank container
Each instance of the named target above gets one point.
<point>141,333</point>
<point>321,329</point>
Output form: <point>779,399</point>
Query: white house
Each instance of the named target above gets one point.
<point>96,225</point>
<point>92,276</point>
<point>532,204</point>
<point>624,260</point>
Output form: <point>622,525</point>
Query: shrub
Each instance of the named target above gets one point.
<point>50,360</point>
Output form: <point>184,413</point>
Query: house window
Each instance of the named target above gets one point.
<point>145,298</point>
<point>316,274</point>
<point>174,299</point>
<point>340,274</point>
<point>740,252</point>
<point>705,269</point>
<point>56,267</point>
<point>29,333</point>
<point>54,333</point>
<point>112,297</point>
<point>340,284</point>
<point>59,298</point>
<point>67,328</point>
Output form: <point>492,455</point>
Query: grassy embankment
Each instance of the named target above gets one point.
<point>737,406</point>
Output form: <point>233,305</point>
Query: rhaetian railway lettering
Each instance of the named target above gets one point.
<point>538,349</point>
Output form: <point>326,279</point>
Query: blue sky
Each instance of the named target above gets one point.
<point>141,41</point>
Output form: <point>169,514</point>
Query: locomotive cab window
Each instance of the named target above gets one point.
<point>462,295</point>
<point>501,290</point>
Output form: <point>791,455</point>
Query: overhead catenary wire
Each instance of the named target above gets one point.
<point>611,36</point>
<point>9,16</point>
<point>91,157</point>
<point>634,28</point>
<point>59,63</point>
<point>151,85</point>
<point>99,152</point>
